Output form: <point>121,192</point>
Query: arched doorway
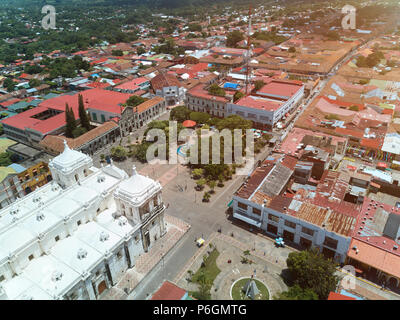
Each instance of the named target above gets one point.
<point>101,287</point>
<point>393,283</point>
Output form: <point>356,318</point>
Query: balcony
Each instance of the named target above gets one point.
<point>148,215</point>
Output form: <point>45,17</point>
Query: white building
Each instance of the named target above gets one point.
<point>168,86</point>
<point>75,238</point>
<point>270,103</point>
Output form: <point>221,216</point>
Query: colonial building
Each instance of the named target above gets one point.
<point>266,201</point>
<point>268,105</point>
<point>168,87</point>
<point>198,99</point>
<point>75,237</point>
<point>136,117</point>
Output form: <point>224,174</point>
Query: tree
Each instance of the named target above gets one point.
<point>85,123</point>
<point>233,38</point>
<point>237,96</point>
<point>135,101</point>
<point>70,121</point>
<point>311,270</point>
<point>201,183</point>
<point>354,108</point>
<point>118,153</point>
<point>117,53</point>
<point>1,129</point>
<point>297,293</point>
<point>197,173</point>
<point>215,90</point>
<point>259,84</point>
<point>5,159</point>
<point>78,131</point>
<point>212,184</point>
<point>9,84</point>
<point>199,117</point>
<point>194,27</point>
<point>333,35</point>
<point>292,50</point>
<point>34,83</point>
<point>140,51</point>
<point>180,113</point>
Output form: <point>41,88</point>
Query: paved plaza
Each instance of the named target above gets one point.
<point>266,267</point>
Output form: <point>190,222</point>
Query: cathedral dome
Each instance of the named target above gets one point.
<point>137,188</point>
<point>69,159</point>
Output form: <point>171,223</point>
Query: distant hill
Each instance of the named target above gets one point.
<point>147,3</point>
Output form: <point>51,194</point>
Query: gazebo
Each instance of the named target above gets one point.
<point>189,123</point>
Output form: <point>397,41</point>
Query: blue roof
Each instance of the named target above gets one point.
<point>345,293</point>
<point>17,167</point>
<point>231,85</point>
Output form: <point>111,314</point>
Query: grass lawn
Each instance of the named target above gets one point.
<point>207,273</point>
<point>238,294</point>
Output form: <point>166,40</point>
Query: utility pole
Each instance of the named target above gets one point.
<point>248,53</point>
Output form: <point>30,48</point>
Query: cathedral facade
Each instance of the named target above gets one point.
<point>75,238</point>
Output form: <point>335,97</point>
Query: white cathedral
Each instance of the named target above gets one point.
<point>75,237</point>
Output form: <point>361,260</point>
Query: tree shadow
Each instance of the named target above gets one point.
<point>287,277</point>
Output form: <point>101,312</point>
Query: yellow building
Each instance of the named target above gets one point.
<point>34,177</point>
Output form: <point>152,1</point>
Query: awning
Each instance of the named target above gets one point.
<point>189,123</point>
<point>230,203</point>
<point>247,219</point>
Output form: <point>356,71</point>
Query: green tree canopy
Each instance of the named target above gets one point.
<point>180,113</point>
<point>135,101</point>
<point>83,116</point>
<point>70,121</point>
<point>311,270</point>
<point>118,153</point>
<point>297,293</point>
<point>216,90</point>
<point>259,84</point>
<point>233,38</point>
<point>199,117</point>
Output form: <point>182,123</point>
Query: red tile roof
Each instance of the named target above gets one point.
<point>164,80</point>
<point>96,99</point>
<point>200,92</point>
<point>259,103</point>
<point>338,296</point>
<point>280,88</point>
<point>169,291</point>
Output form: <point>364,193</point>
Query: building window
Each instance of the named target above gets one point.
<point>2,278</point>
<point>308,231</point>
<point>94,116</point>
<point>290,224</point>
<point>242,206</point>
<point>331,243</point>
<point>119,255</point>
<point>256,211</point>
<point>31,257</point>
<point>273,218</point>
<point>57,238</point>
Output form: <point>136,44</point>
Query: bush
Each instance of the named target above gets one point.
<point>119,153</point>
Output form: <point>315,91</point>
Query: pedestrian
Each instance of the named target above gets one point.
<point>276,261</point>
